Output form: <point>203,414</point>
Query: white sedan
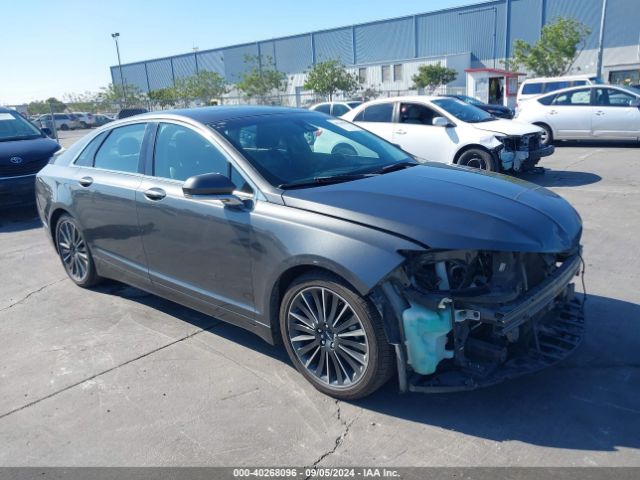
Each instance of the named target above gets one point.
<point>443,129</point>
<point>597,111</point>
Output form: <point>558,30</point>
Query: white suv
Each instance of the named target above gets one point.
<point>444,129</point>
<point>597,111</point>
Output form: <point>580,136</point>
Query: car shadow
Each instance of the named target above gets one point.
<point>587,402</point>
<point>560,178</point>
<point>19,218</point>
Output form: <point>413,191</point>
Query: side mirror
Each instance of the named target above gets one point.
<point>47,131</point>
<point>212,186</point>
<point>441,122</point>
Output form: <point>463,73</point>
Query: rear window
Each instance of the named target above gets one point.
<point>324,108</point>
<point>532,88</point>
<point>381,112</point>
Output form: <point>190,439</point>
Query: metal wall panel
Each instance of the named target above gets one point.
<point>386,40</point>
<point>585,11</point>
<point>234,60</point>
<point>211,61</point>
<point>334,45</point>
<point>134,74</point>
<point>115,75</point>
<point>525,21</point>
<point>622,23</point>
<point>294,54</point>
<point>160,75</point>
<point>479,30</point>
<point>184,66</point>
<point>267,49</point>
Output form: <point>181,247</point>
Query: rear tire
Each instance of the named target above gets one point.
<point>547,136</point>
<point>477,158</point>
<point>74,252</point>
<point>335,337</point>
<point>64,127</point>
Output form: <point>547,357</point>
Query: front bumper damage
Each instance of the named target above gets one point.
<point>451,339</point>
<point>520,154</point>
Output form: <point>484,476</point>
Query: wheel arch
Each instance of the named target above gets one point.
<point>54,218</point>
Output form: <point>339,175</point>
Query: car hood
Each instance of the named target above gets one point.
<point>507,127</point>
<point>445,207</point>
<point>30,150</point>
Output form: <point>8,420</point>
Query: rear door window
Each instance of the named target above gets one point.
<point>121,150</point>
<point>580,97</point>
<point>532,88</point>
<point>379,112</point>
<point>85,159</point>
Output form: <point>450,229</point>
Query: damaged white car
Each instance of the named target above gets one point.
<point>442,129</point>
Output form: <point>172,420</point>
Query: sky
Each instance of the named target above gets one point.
<point>50,48</point>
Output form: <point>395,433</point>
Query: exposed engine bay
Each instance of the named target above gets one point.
<point>521,153</point>
<point>473,318</point>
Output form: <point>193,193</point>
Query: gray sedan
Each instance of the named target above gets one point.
<point>363,265</point>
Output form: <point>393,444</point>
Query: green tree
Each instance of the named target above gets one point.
<point>113,95</point>
<point>327,78</point>
<point>164,97</point>
<point>554,53</point>
<point>39,107</point>
<point>433,76</point>
<point>205,86</point>
<point>81,102</point>
<point>262,80</point>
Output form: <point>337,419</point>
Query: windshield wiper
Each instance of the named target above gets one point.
<point>396,166</point>
<point>323,181</point>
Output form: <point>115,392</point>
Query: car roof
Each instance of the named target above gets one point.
<point>556,79</point>
<point>223,112</point>
<point>582,87</point>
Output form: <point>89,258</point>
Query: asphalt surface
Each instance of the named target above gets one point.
<point>117,377</point>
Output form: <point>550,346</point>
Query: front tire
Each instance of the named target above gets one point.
<point>74,252</point>
<point>547,137</point>
<point>335,337</point>
<point>477,158</point>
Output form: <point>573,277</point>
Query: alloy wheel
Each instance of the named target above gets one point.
<point>73,250</point>
<point>328,337</point>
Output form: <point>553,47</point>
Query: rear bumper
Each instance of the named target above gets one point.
<point>17,191</point>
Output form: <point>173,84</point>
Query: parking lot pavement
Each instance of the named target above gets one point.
<point>117,377</point>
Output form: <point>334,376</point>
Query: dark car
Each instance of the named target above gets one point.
<point>499,111</point>
<point>130,112</point>
<point>101,120</point>
<point>361,265</point>
<point>24,150</point>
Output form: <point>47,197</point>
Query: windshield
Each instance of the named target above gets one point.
<point>14,127</point>
<point>463,111</point>
<point>470,100</point>
<point>299,149</point>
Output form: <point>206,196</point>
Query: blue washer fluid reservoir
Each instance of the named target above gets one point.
<point>426,332</point>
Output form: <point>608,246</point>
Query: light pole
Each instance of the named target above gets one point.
<point>124,90</point>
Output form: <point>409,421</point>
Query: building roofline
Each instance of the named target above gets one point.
<point>470,6</point>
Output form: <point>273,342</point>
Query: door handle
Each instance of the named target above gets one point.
<point>155,194</point>
<point>401,132</point>
<point>85,181</point>
<point>599,112</point>
<point>553,112</point>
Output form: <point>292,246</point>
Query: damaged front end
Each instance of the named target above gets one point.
<point>467,319</point>
<point>521,152</point>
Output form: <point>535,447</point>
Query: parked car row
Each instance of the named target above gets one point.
<point>72,121</point>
